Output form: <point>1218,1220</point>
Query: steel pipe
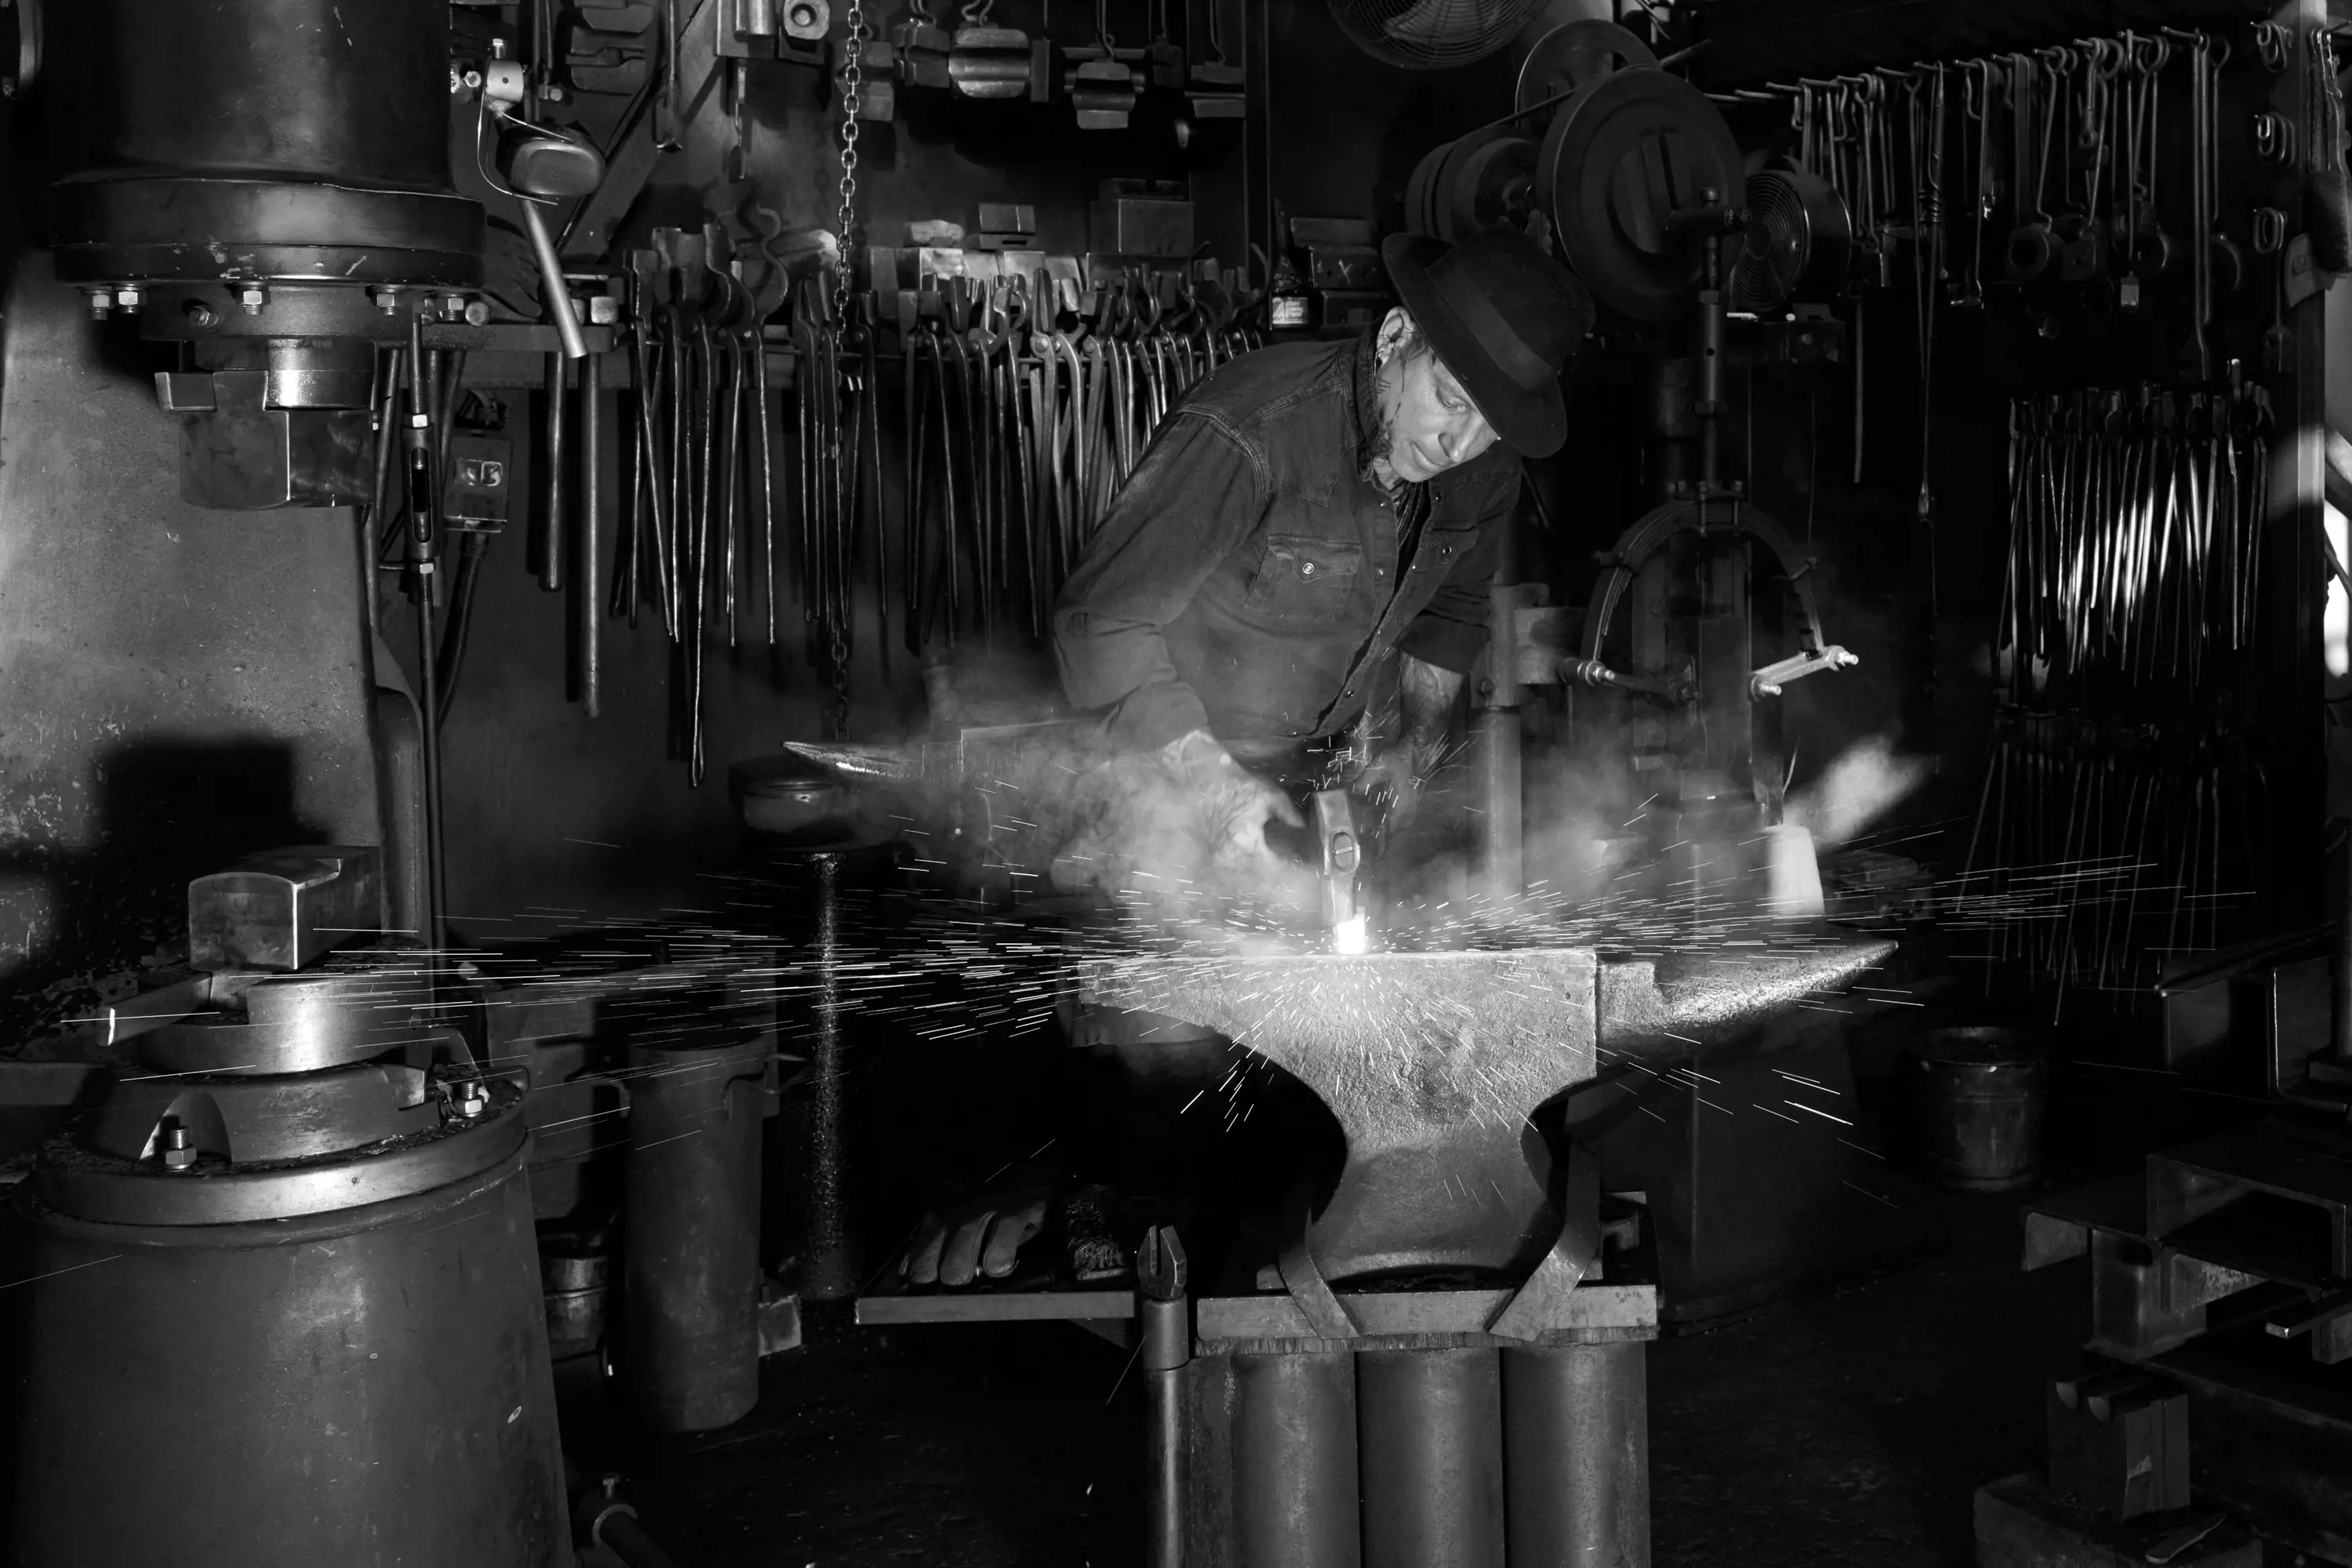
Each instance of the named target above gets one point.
<point>691,1230</point>
<point>1429,1427</point>
<point>829,1270</point>
<point>592,507</point>
<point>1295,1482</point>
<point>1576,1455</point>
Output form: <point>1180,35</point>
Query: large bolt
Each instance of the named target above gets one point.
<point>201,315</point>
<point>387,300</point>
<point>101,303</point>
<point>179,1152</point>
<point>252,296</point>
<point>128,297</point>
<point>472,1098</point>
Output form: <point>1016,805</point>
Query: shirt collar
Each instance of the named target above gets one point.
<point>1365,384</point>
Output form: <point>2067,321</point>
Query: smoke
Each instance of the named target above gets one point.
<point>1868,779</point>
<point>1140,834</point>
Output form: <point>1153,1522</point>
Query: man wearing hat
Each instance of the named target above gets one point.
<point>1309,509</point>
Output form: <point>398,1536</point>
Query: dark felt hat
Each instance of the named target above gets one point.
<point>1504,317</point>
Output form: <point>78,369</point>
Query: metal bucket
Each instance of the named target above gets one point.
<point>1977,1096</point>
<point>573,1280</point>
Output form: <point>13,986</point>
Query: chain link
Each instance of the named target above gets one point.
<point>852,83</point>
<point>840,683</point>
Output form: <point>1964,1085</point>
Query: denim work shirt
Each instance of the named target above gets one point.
<point>1246,578</point>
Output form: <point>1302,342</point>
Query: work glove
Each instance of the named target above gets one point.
<point>981,1237</point>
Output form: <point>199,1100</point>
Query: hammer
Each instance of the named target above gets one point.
<point>1334,822</point>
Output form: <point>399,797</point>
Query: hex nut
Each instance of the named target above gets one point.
<point>807,20</point>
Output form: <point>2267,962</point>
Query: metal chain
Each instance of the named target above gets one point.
<point>852,82</point>
<point>840,651</point>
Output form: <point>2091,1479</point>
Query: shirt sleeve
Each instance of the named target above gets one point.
<point>1195,497</point>
<point>1452,628</point>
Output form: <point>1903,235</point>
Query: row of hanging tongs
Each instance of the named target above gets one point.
<point>2135,526</point>
<point>2102,850</point>
<point>1026,402</point>
<point>698,499</point>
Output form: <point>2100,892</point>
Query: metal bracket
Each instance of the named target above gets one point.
<point>1768,680</point>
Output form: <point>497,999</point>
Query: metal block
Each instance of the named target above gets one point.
<point>1596,1313</point>
<point>244,456</point>
<point>2274,1446</point>
<point>780,1319</point>
<point>1352,307</point>
<point>1008,217</point>
<point>2119,1441</point>
<point>1129,224</point>
<point>2019,1524</point>
<point>479,489</point>
<point>285,909</point>
<point>1356,232</point>
<point>1346,266</point>
<point>886,1307</point>
<point>2138,1307</point>
<point>2288,1166</point>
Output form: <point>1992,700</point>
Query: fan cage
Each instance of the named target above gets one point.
<point>1762,283</point>
<point>1429,34</point>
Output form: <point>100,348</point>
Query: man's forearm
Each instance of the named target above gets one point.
<point>1426,702</point>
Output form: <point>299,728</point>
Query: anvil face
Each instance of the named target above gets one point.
<point>1433,1062</point>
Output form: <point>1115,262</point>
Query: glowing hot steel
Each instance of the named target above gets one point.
<point>1353,935</point>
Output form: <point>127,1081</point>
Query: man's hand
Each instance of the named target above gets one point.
<point>1425,707</point>
<point>1231,807</point>
<point>1182,821</point>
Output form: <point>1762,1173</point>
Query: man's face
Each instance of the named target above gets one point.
<point>1429,420</point>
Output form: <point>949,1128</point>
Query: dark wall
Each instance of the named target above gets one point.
<point>177,687</point>
<point>1344,130</point>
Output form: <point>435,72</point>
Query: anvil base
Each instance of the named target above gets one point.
<point>1423,1442</point>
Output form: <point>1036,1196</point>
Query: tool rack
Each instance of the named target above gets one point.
<point>2225,1269</point>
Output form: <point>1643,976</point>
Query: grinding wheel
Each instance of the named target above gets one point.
<point>1447,176</point>
<point>1621,161</point>
<point>1574,55</point>
<point>1419,218</point>
<point>1489,188</point>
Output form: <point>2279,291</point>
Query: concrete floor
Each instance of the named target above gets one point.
<point>1849,1428</point>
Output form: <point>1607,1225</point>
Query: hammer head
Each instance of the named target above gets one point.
<point>1342,856</point>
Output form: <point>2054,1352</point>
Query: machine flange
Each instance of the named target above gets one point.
<point>1630,172</point>
<point>1575,55</point>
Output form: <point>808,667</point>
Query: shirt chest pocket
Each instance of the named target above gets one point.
<point>1303,582</point>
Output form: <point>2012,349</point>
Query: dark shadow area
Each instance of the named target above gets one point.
<point>168,810</point>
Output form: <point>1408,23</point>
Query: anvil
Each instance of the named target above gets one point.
<point>1434,1063</point>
